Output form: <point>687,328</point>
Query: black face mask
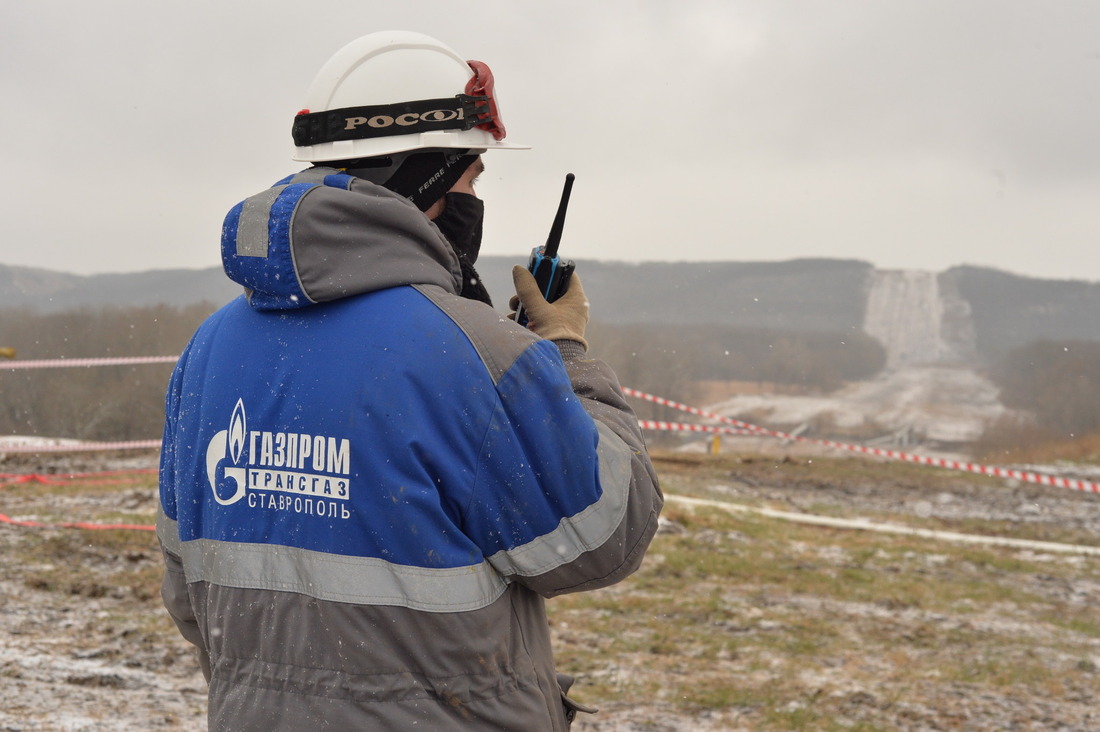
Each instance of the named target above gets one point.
<point>461,222</point>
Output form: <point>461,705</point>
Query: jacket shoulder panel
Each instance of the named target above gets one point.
<point>497,340</point>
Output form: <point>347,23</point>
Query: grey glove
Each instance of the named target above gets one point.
<point>561,320</point>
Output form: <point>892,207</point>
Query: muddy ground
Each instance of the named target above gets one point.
<point>84,645</point>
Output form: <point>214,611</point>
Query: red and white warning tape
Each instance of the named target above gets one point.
<point>648,424</point>
<point>1021,475</point>
<point>79,446</point>
<point>56,363</point>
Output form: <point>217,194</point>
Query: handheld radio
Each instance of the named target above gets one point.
<point>551,272</point>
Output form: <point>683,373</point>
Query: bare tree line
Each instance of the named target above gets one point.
<point>126,402</point>
<point>1056,382</point>
<point>95,403</point>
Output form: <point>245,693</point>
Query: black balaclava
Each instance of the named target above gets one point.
<point>461,222</point>
<point>425,177</point>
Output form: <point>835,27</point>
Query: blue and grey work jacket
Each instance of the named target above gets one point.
<point>369,484</point>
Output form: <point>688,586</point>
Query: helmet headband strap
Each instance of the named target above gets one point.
<point>385,120</point>
<point>475,108</point>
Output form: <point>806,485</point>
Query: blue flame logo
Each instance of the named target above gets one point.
<point>237,432</point>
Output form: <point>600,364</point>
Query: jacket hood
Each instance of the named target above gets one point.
<point>323,235</point>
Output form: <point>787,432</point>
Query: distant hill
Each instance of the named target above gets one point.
<point>964,313</point>
<point>45,291</point>
<point>809,294</point>
<point>1008,310</point>
<point>801,294</point>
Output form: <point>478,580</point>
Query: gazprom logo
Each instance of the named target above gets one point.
<point>231,486</point>
<point>314,469</point>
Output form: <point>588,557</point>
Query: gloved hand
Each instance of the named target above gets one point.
<point>561,320</point>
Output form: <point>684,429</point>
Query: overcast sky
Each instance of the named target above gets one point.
<point>917,134</point>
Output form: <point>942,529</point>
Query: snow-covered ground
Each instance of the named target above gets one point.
<point>937,403</point>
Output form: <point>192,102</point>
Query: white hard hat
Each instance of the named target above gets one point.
<point>396,91</point>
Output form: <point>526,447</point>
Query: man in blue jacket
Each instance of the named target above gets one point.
<point>370,480</point>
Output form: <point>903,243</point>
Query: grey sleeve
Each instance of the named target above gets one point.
<point>632,485</point>
<point>599,391</point>
<point>173,591</point>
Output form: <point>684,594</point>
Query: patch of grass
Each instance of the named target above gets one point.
<point>1084,450</point>
<point>1077,620</point>
<point>122,564</point>
<point>820,471</point>
<point>740,612</point>
<point>146,484</point>
<point>1005,668</point>
<point>702,475</point>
